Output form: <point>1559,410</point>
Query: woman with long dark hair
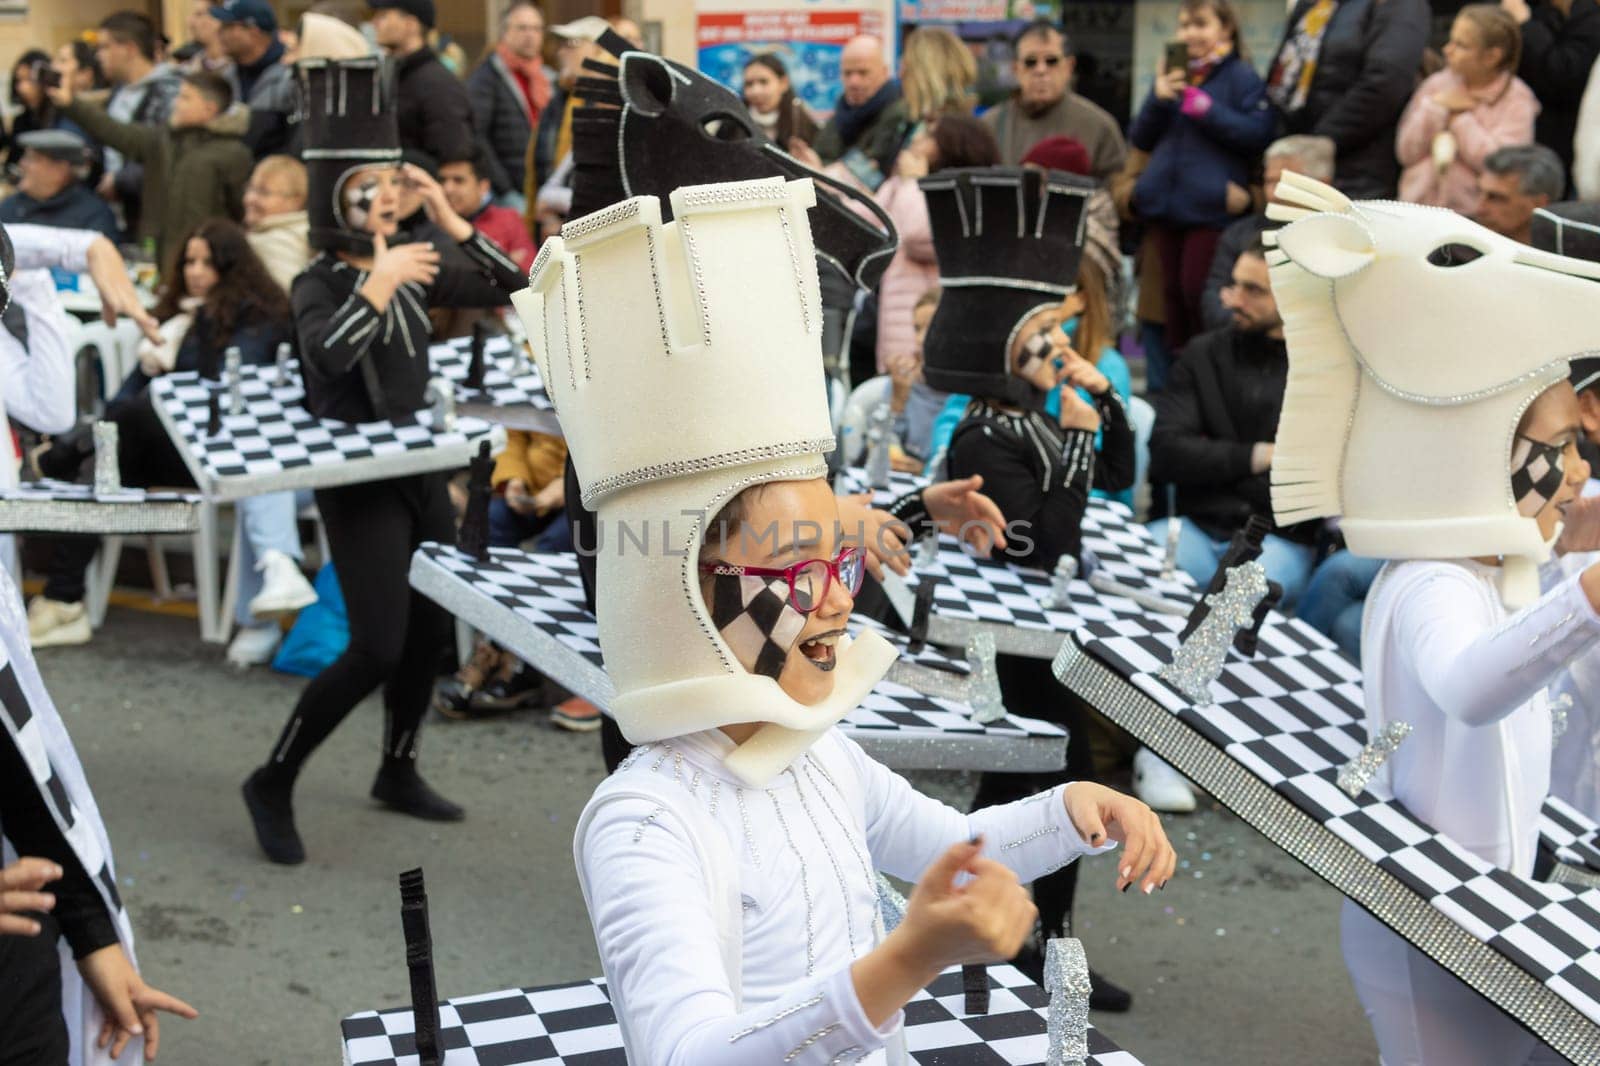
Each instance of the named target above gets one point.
<point>219,296</point>
<point>37,111</point>
<point>773,104</point>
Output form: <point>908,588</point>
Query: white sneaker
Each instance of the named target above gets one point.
<point>52,623</point>
<point>255,645</point>
<point>284,589</point>
<point>1159,785</point>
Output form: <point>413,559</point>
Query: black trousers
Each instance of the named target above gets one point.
<point>32,1031</point>
<point>1031,690</point>
<point>396,635</point>
<point>147,458</point>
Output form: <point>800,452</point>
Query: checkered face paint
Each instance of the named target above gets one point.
<point>359,195</point>
<point>754,616</point>
<point>1537,471</point>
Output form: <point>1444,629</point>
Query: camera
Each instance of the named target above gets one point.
<point>46,75</point>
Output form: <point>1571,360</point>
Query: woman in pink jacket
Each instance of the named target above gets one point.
<point>1458,117</point>
<point>950,141</point>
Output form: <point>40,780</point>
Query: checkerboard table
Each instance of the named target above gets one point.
<point>50,506</point>
<point>574,1025</point>
<point>1014,603</point>
<point>533,604</point>
<point>512,395</point>
<point>277,444</point>
<point>1270,747</point>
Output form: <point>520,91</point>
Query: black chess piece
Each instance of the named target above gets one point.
<point>213,412</point>
<point>473,537</point>
<point>419,961</point>
<point>476,366</point>
<point>975,987</point>
<point>1243,548</point>
<point>1248,640</point>
<point>922,607</point>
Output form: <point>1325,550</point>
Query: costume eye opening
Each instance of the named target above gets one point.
<point>1454,254</point>
<point>723,126</point>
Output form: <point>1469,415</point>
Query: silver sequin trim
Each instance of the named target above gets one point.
<point>842,1057</point>
<point>646,822</point>
<point>680,467</point>
<point>794,1008</point>
<point>805,886</point>
<point>821,1034</point>
<point>749,837</point>
<point>1043,831</point>
<point>833,860</point>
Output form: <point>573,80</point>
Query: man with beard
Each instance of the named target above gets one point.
<point>1213,438</point>
<point>1044,104</point>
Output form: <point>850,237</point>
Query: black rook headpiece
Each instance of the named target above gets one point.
<point>1009,240</point>
<point>349,126</point>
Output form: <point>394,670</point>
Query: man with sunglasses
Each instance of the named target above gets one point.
<point>1044,104</point>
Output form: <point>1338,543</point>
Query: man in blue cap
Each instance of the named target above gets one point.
<point>50,189</point>
<point>265,83</point>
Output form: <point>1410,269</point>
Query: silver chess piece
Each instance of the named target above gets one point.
<point>927,552</point>
<point>1061,579</point>
<point>285,350</point>
<point>1066,979</point>
<point>880,437</point>
<point>1169,559</point>
<point>1355,774</point>
<point>443,395</point>
<point>233,369</point>
<point>1199,659</point>
<point>107,467</point>
<point>983,682</point>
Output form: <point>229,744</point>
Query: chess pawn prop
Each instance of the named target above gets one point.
<point>983,682</point>
<point>1169,558</point>
<point>419,961</point>
<point>213,412</point>
<point>1199,659</point>
<point>233,368</point>
<point>1061,579</point>
<point>880,437</point>
<point>475,365</point>
<point>927,551</point>
<point>285,351</point>
<point>107,468</point>
<point>473,537</point>
<point>1066,979</point>
<point>443,395</point>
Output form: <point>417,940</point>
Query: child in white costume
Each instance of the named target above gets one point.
<point>730,864</point>
<point>1456,641</point>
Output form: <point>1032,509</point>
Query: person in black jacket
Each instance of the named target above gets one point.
<point>1560,43</point>
<point>361,318</point>
<point>1215,424</point>
<point>431,105</point>
<point>509,92</point>
<point>1345,70</point>
<point>50,190</point>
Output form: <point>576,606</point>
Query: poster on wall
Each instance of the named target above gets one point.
<point>807,35</point>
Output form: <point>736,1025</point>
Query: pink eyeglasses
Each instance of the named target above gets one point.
<point>808,579</point>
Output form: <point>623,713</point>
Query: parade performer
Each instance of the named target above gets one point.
<point>68,981</point>
<point>1009,241</point>
<point>729,865</point>
<point>1447,442</point>
<point>361,317</point>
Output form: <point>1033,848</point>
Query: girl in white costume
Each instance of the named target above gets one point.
<point>730,863</point>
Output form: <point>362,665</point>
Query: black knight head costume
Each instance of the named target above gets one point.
<point>349,127</point>
<point>1009,241</point>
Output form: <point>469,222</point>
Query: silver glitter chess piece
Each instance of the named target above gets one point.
<point>1169,559</point>
<point>1061,579</point>
<point>880,435</point>
<point>927,552</point>
<point>232,369</point>
<point>1354,775</point>
<point>443,395</point>
<point>1199,659</point>
<point>1066,979</point>
<point>983,682</point>
<point>285,350</point>
<point>107,468</point>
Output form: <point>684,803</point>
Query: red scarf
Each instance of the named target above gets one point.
<point>530,78</point>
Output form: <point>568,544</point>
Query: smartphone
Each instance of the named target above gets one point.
<point>1177,56</point>
<point>46,75</point>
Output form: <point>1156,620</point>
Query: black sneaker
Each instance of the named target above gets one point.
<point>272,815</point>
<point>404,790</point>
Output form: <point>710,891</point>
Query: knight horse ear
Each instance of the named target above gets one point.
<point>647,83</point>
<point>1329,246</point>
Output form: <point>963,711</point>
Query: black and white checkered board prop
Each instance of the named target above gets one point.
<point>573,1025</point>
<point>533,604</point>
<point>975,595</point>
<point>277,444</point>
<point>509,380</point>
<point>1271,746</point>
<point>49,506</point>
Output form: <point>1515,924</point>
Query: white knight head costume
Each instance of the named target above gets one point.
<point>684,361</point>
<point>1417,338</point>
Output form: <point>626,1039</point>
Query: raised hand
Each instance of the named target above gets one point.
<point>983,918</point>
<point>960,509</point>
<point>1100,813</point>
<point>404,263</point>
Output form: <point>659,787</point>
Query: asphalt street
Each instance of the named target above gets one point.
<point>1236,962</point>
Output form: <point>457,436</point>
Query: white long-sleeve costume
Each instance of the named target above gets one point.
<point>672,848</point>
<point>1440,651</point>
<point>36,382</point>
